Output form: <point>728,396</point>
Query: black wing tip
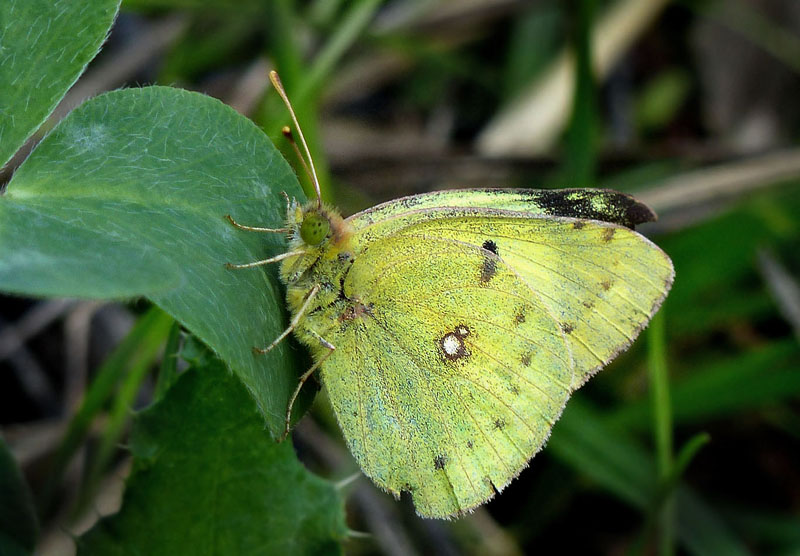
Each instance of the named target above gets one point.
<point>637,213</point>
<point>625,209</point>
<point>606,205</point>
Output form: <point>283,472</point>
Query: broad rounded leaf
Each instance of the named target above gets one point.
<point>127,196</point>
<point>44,46</point>
<point>207,479</point>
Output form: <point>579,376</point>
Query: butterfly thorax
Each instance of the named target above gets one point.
<point>322,240</point>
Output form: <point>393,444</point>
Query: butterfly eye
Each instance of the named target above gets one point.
<point>315,228</point>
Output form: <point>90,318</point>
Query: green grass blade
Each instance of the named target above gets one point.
<point>662,426</point>
<point>150,329</point>
<point>349,28</point>
<point>168,373</point>
<point>759,378</point>
<point>582,133</point>
<point>135,371</point>
<point>619,465</point>
<point>613,461</point>
<point>701,530</point>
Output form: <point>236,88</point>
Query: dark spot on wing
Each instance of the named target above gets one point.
<point>608,234</point>
<point>526,360</point>
<point>606,284</point>
<point>605,205</point>
<point>588,304</point>
<point>469,444</point>
<point>567,327</point>
<point>439,461</point>
<point>514,390</point>
<point>489,267</point>
<point>499,424</point>
<point>578,224</point>
<point>490,245</point>
<point>519,318</point>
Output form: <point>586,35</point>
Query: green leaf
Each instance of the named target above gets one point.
<point>44,46</point>
<point>758,378</point>
<point>207,479</point>
<point>621,466</point>
<point>605,456</point>
<point>127,196</point>
<point>18,527</point>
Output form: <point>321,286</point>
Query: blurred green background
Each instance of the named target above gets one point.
<point>689,442</point>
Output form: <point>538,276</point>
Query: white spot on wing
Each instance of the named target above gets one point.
<point>451,345</point>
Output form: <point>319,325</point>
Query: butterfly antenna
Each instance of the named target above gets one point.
<point>287,133</point>
<point>276,82</point>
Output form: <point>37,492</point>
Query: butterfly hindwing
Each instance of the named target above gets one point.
<point>455,392</point>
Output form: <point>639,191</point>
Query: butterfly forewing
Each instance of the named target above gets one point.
<point>601,282</point>
<point>605,205</point>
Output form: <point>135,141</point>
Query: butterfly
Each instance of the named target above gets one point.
<point>450,328</point>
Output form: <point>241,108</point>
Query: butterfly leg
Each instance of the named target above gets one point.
<point>292,325</point>
<point>288,203</point>
<point>265,261</point>
<point>302,381</point>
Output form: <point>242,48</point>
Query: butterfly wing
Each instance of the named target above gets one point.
<point>478,325</point>
<point>439,393</point>
<point>602,275</point>
<point>605,205</point>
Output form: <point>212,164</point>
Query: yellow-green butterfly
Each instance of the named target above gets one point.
<point>450,328</point>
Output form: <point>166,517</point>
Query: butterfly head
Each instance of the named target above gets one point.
<point>318,233</point>
<point>317,225</point>
<point>314,228</point>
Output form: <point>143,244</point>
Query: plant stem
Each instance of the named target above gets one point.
<point>662,426</point>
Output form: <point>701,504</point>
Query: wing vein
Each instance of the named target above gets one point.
<point>444,423</point>
<point>550,246</point>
